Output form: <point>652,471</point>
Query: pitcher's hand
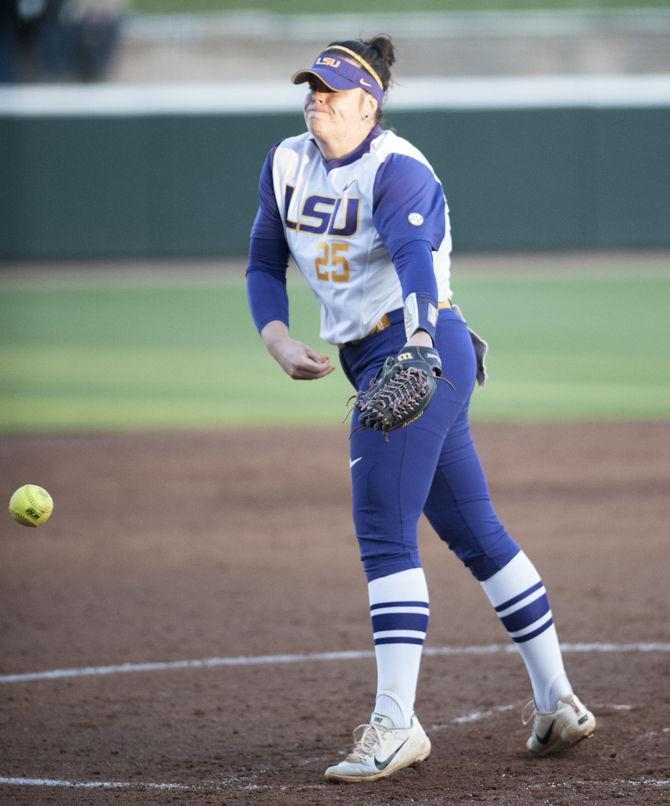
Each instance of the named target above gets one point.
<point>299,361</point>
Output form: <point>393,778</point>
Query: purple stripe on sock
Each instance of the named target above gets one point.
<point>518,598</point>
<point>399,641</point>
<point>398,604</point>
<point>400,621</point>
<point>527,615</point>
<point>535,633</point>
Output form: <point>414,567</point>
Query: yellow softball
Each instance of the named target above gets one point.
<point>30,505</point>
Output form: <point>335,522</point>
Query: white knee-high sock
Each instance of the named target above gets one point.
<point>399,611</point>
<point>520,600</point>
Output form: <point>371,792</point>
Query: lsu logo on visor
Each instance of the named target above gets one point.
<point>328,61</point>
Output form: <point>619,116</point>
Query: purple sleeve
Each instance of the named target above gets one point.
<point>268,256</point>
<point>414,264</point>
<point>409,211</point>
<point>408,204</point>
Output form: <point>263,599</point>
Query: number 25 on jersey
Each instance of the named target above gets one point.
<point>330,263</point>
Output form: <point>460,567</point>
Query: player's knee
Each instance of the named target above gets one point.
<point>473,531</point>
<point>485,565</point>
<point>484,554</point>
<point>382,565</point>
<point>384,554</point>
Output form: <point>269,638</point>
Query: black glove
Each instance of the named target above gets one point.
<point>402,389</point>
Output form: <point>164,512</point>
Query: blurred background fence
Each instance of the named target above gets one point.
<point>550,128</point>
<point>159,174</point>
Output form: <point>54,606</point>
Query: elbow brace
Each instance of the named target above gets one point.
<point>420,312</point>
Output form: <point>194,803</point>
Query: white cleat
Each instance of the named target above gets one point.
<point>568,724</point>
<point>380,750</point>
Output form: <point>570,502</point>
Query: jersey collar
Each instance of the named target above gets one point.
<point>352,156</point>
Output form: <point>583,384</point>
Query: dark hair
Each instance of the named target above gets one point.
<point>378,52</point>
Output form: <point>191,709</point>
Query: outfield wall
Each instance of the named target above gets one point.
<point>116,172</point>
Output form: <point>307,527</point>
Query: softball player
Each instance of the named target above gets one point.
<point>365,219</point>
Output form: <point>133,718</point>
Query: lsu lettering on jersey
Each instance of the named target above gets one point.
<point>344,221</point>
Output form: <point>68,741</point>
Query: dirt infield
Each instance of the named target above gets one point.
<point>168,547</point>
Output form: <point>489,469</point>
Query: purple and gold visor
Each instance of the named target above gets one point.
<point>339,74</point>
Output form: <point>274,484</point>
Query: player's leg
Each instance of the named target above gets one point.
<point>388,492</point>
<point>460,511</point>
<point>390,482</point>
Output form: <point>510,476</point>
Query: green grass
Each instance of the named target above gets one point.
<point>583,347</point>
<point>375,6</point>
<point>563,347</point>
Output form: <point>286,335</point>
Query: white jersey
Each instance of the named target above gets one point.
<point>344,220</point>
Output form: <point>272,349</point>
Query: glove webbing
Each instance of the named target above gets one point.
<point>406,388</point>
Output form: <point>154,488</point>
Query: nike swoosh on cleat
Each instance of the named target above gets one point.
<point>545,739</point>
<point>382,765</point>
<point>352,462</point>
